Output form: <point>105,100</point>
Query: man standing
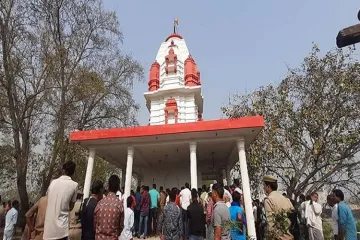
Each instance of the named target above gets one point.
<point>154,197</point>
<point>221,214</point>
<point>203,196</point>
<point>313,218</point>
<point>195,213</point>
<point>303,224</point>
<point>331,201</point>
<point>75,224</point>
<point>170,224</point>
<point>62,194</point>
<point>88,210</point>
<point>162,198</point>
<point>127,233</point>
<point>109,213</point>
<point>144,211</point>
<point>10,221</point>
<point>38,211</point>
<point>275,203</point>
<point>185,198</point>
<point>209,216</point>
<point>347,225</point>
<point>137,210</point>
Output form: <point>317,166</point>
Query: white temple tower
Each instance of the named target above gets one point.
<point>174,94</point>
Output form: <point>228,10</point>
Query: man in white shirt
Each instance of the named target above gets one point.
<point>313,218</point>
<point>331,201</point>
<point>119,195</point>
<point>62,194</point>
<point>10,221</point>
<point>185,199</point>
<point>126,233</point>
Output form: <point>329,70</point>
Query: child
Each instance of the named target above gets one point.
<point>128,221</point>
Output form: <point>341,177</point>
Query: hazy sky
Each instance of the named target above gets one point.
<point>238,45</point>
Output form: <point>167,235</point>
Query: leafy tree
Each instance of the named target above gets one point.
<point>312,124</point>
<point>22,88</point>
<point>92,79</point>
<point>62,69</point>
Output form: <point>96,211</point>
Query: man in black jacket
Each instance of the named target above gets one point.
<point>196,217</point>
<point>88,208</point>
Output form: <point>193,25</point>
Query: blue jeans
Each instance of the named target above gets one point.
<point>143,219</point>
<point>209,232</point>
<point>153,220</point>
<point>185,223</point>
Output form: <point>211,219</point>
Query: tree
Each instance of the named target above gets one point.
<point>62,69</point>
<point>91,77</point>
<point>22,86</point>
<point>312,125</point>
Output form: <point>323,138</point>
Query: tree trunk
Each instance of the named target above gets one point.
<point>24,198</point>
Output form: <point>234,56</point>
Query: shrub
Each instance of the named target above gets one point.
<point>327,230</point>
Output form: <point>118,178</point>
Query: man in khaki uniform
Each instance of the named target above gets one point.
<point>37,213</point>
<point>274,204</point>
<point>75,225</point>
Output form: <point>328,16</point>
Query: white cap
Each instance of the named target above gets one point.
<point>238,190</point>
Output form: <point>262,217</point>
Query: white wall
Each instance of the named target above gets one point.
<point>170,177</point>
<point>187,109</point>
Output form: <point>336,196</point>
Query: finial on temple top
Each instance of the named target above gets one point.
<point>176,22</point>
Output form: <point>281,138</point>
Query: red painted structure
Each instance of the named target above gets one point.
<point>192,74</point>
<point>153,130</point>
<point>154,77</point>
<point>171,107</point>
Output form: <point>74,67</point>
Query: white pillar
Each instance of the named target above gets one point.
<point>89,170</point>
<point>128,177</point>
<point>193,165</point>
<point>246,189</point>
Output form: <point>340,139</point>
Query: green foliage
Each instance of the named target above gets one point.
<point>327,231</point>
<point>281,224</point>
<point>234,225</point>
<point>358,226</point>
<point>312,129</point>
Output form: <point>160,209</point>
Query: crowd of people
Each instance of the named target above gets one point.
<point>214,212</point>
<point>304,218</point>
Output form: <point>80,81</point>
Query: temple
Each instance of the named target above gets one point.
<point>174,94</point>
<point>177,145</point>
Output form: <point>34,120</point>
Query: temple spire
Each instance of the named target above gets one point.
<point>176,22</point>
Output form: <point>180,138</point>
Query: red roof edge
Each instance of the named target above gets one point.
<point>153,130</point>
<point>174,35</point>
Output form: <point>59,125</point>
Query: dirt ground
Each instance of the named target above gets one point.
<point>18,235</point>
